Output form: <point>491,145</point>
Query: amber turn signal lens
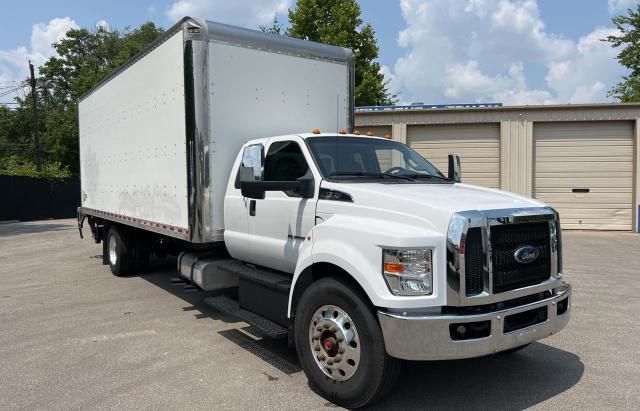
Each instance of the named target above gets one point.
<point>316,131</point>
<point>393,268</point>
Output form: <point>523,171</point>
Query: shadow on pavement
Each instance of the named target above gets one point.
<point>506,382</point>
<point>10,229</point>
<point>274,352</point>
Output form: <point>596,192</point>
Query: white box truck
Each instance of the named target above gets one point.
<point>354,247</point>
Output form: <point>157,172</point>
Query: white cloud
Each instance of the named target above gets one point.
<point>103,24</point>
<point>486,50</point>
<point>14,62</point>
<point>247,13</point>
<point>589,73</point>
<point>621,6</point>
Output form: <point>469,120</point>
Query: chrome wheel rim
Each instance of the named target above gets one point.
<point>113,255</point>
<point>334,342</point>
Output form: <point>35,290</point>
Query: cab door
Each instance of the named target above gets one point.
<point>236,207</point>
<point>279,223</point>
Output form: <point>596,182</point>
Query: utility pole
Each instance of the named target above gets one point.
<point>36,127</point>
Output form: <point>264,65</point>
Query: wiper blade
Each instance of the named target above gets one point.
<point>370,174</point>
<point>430,176</point>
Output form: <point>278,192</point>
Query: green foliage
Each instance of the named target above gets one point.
<point>85,57</point>
<point>338,22</point>
<point>275,28</point>
<point>14,165</point>
<point>628,90</point>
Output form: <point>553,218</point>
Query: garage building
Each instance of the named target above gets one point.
<point>582,159</point>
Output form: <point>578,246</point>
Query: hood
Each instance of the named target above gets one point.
<point>445,197</point>
<point>434,203</point>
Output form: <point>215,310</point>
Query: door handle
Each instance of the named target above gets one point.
<point>252,208</point>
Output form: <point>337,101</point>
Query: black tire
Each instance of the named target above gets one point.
<point>513,350</point>
<point>376,372</point>
<point>120,242</point>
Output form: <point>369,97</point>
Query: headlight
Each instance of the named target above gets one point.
<point>408,271</point>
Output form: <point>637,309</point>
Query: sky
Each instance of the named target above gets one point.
<point>433,51</point>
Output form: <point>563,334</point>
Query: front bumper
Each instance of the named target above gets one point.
<point>429,336</point>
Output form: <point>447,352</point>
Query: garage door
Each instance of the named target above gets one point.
<point>585,171</point>
<point>478,146</point>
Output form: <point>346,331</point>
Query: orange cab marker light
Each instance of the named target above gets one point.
<point>356,132</point>
<point>369,133</point>
<point>316,131</point>
<point>393,268</point>
<point>387,136</point>
<point>342,131</point>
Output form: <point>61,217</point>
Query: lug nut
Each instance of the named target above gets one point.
<point>333,329</point>
<point>316,347</point>
<point>341,350</point>
<point>321,357</point>
<point>325,325</point>
<point>329,362</point>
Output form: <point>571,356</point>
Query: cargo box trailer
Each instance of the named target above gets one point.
<point>158,137</point>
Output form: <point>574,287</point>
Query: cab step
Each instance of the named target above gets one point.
<point>264,292</point>
<point>232,307</point>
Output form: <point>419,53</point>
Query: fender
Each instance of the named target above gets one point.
<point>355,244</point>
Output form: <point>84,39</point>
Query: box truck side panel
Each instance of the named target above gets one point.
<point>255,93</point>
<point>132,141</point>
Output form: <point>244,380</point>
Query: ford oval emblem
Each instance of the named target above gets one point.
<point>526,254</point>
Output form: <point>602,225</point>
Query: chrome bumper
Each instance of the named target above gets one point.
<point>428,337</point>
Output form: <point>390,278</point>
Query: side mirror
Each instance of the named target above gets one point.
<point>455,172</point>
<point>255,189</point>
<point>248,186</point>
<point>252,189</point>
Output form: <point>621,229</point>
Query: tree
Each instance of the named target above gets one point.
<point>628,90</point>
<point>275,28</point>
<point>338,22</point>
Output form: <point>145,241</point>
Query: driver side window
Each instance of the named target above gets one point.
<point>285,162</point>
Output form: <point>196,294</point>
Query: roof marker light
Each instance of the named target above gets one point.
<point>370,133</point>
<point>316,131</point>
<point>342,131</point>
<point>356,132</point>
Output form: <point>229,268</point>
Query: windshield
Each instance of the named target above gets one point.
<point>361,158</point>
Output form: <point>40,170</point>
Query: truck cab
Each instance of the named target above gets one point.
<point>389,258</point>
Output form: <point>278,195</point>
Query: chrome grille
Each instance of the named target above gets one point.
<point>474,261</point>
<point>509,274</point>
<point>481,266</point>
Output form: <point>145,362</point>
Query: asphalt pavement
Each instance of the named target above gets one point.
<point>73,336</point>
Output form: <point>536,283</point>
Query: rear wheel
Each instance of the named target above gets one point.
<point>120,249</point>
<point>341,347</point>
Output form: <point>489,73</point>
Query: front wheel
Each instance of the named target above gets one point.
<point>341,347</point>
